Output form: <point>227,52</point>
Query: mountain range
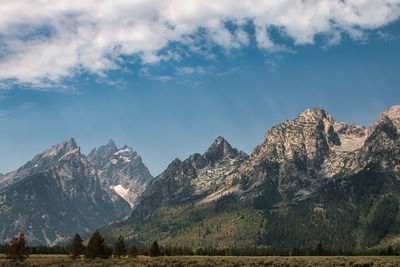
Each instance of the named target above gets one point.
<point>61,191</point>
<point>312,180</point>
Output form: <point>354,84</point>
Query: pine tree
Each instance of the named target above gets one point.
<point>155,250</point>
<point>119,247</point>
<point>390,251</point>
<point>319,249</point>
<point>133,251</point>
<point>17,249</point>
<point>96,247</point>
<point>76,247</point>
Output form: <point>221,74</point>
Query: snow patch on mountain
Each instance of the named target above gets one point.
<point>122,191</point>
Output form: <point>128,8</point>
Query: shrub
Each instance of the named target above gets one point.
<point>133,251</point>
<point>17,249</point>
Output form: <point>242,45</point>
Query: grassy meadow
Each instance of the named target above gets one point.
<point>63,260</point>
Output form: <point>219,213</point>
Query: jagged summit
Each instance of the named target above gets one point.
<point>111,143</point>
<point>315,114</point>
<point>193,178</point>
<point>174,163</point>
<point>121,169</point>
<point>393,114</point>
<point>60,149</point>
<point>314,111</point>
<point>100,156</point>
<point>220,149</point>
<point>70,142</point>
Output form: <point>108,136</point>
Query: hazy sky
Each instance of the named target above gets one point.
<point>168,77</point>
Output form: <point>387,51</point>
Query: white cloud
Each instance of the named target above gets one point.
<point>190,70</point>
<point>44,41</point>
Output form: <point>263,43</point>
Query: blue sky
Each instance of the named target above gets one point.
<point>174,99</point>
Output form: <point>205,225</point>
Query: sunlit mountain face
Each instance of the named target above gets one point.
<point>164,79</point>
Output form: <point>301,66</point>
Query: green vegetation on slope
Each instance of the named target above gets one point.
<point>224,223</point>
<point>356,212</point>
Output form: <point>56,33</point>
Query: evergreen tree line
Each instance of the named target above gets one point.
<point>18,250</point>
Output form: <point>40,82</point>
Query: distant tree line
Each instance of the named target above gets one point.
<point>17,250</point>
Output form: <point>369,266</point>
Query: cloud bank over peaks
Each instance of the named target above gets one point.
<point>44,41</point>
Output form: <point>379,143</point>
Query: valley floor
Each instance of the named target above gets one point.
<point>359,261</point>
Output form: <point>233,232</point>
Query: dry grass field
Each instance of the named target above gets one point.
<point>62,260</point>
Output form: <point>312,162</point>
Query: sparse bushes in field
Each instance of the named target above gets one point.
<point>76,247</point>
<point>59,260</point>
<point>17,249</point>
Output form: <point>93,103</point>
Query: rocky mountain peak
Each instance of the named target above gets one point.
<point>316,111</point>
<point>121,169</point>
<point>173,166</point>
<point>110,143</point>
<point>220,149</point>
<point>70,143</point>
<point>101,155</point>
<point>393,114</point>
<point>315,115</point>
<point>58,151</point>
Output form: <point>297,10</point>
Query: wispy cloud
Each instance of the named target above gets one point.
<point>24,106</point>
<point>43,42</point>
<point>272,62</point>
<point>386,36</point>
<point>4,113</point>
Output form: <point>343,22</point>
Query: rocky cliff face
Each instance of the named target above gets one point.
<point>54,195</point>
<point>382,143</point>
<point>122,170</point>
<point>332,174</point>
<point>298,154</point>
<point>193,179</point>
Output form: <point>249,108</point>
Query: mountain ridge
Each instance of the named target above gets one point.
<point>65,194</point>
<point>285,179</point>
<point>310,172</point>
